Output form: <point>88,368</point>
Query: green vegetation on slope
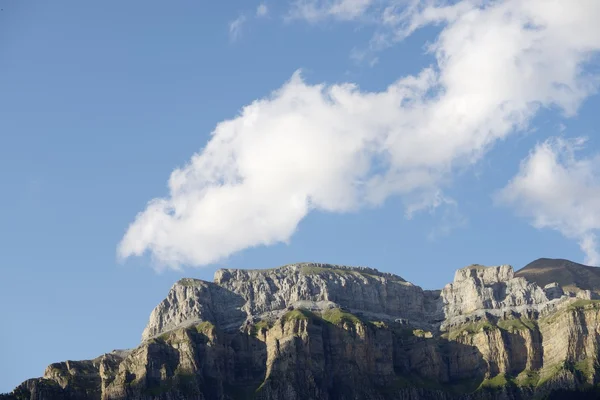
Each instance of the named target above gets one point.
<point>379,324</point>
<point>577,305</point>
<point>470,329</point>
<point>259,327</point>
<point>338,317</point>
<point>496,382</point>
<point>205,327</point>
<point>422,334</point>
<point>582,370</point>
<point>297,314</point>
<point>528,378</point>
<point>584,304</point>
<point>517,324</point>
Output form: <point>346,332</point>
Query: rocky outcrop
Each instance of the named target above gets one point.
<point>191,301</point>
<point>553,291</point>
<point>318,331</point>
<point>479,288</point>
<point>479,291</point>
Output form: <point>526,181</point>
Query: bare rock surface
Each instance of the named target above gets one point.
<point>493,291</point>
<point>192,300</point>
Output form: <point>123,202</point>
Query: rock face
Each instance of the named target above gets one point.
<point>324,332</point>
<point>490,290</point>
<point>191,301</point>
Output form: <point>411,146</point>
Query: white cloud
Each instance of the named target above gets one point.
<point>337,148</point>
<point>262,10</point>
<point>235,27</point>
<point>317,10</point>
<point>360,56</point>
<point>449,217</point>
<point>556,190</point>
<point>589,245</point>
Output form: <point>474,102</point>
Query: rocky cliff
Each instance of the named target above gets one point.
<point>318,331</point>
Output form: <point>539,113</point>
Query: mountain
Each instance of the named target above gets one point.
<point>569,275</point>
<point>326,332</point>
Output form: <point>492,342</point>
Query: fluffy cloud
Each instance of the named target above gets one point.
<point>317,10</point>
<point>262,10</point>
<point>558,191</point>
<point>235,27</point>
<point>337,148</point>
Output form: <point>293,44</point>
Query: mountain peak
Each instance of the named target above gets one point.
<point>571,276</point>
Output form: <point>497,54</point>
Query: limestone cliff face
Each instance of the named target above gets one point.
<point>238,295</point>
<point>357,288</point>
<point>193,300</point>
<point>317,331</point>
<point>488,289</point>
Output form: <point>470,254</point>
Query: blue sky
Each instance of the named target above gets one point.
<point>474,156</point>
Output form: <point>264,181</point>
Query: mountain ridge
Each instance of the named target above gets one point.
<point>302,331</point>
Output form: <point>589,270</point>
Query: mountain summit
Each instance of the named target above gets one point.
<point>568,274</point>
